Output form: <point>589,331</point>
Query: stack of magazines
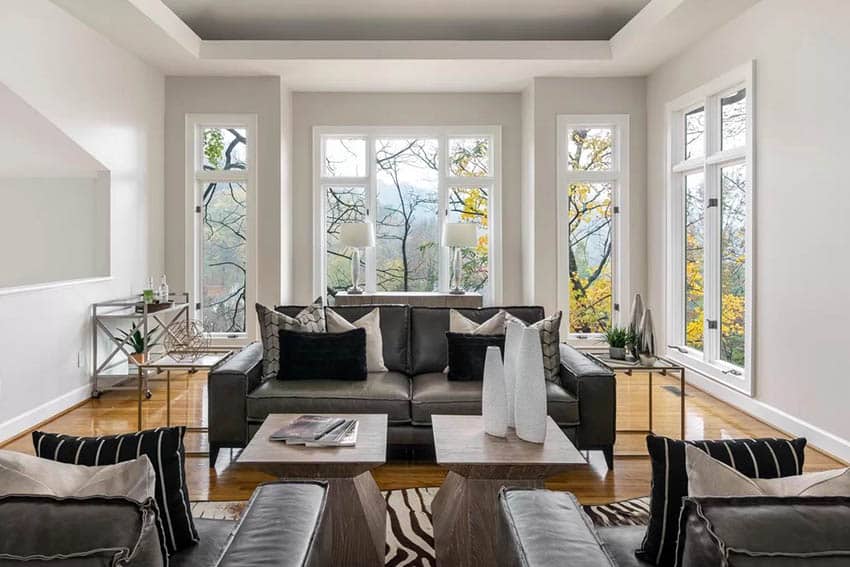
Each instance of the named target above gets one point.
<point>318,431</point>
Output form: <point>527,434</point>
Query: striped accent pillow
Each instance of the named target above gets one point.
<point>755,458</point>
<point>163,446</point>
<point>311,319</point>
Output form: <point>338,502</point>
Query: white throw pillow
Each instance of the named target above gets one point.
<point>709,477</point>
<point>26,474</point>
<point>458,323</point>
<point>371,323</point>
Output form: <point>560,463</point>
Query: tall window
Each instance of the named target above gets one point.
<point>710,249</point>
<point>219,263</point>
<point>408,182</point>
<point>592,184</point>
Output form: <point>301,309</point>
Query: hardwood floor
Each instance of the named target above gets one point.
<point>706,418</point>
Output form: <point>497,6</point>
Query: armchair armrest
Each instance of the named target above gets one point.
<point>595,388</point>
<point>282,526</point>
<point>228,386</point>
<point>543,528</point>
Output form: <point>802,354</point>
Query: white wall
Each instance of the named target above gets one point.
<point>368,109</point>
<point>226,95</point>
<point>546,99</point>
<point>111,105</point>
<point>802,204</point>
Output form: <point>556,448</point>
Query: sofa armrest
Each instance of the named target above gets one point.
<point>595,388</point>
<point>282,526</point>
<point>228,386</point>
<point>543,528</point>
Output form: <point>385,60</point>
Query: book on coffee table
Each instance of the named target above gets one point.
<point>343,436</point>
<point>318,431</point>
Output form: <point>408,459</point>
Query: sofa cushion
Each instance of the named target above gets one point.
<point>313,356</point>
<point>428,327</point>
<point>380,392</point>
<point>434,393</point>
<point>467,353</point>
<point>214,537</point>
<point>621,542</point>
<point>394,329</point>
<point>97,531</point>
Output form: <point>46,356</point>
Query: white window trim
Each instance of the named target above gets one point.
<point>707,362</point>
<point>619,175</point>
<point>445,180</point>
<point>196,174</point>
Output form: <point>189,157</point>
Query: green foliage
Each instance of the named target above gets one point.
<point>136,340</point>
<point>618,337</point>
<point>214,147</point>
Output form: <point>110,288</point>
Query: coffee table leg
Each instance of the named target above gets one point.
<point>466,520</point>
<point>357,515</point>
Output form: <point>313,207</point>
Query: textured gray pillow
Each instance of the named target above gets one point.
<point>550,340</point>
<point>26,474</point>
<point>311,319</point>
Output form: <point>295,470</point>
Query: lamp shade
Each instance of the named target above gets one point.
<point>357,234</point>
<point>460,235</point>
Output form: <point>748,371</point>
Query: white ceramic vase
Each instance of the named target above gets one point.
<point>530,389</point>
<point>513,336</point>
<point>494,401</point>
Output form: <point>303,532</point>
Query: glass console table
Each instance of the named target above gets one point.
<point>661,366</point>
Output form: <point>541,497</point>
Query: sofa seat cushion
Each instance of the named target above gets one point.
<point>214,536</point>
<point>621,542</point>
<point>381,392</point>
<point>433,394</point>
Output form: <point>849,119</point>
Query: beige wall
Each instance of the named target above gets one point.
<point>802,203</point>
<point>358,109</point>
<point>237,95</point>
<point>545,100</point>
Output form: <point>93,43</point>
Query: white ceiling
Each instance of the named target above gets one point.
<point>657,33</point>
<point>406,19</point>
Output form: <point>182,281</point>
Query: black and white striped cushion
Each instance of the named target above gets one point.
<point>163,446</point>
<point>756,458</point>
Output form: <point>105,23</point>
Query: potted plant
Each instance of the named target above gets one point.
<point>138,343</point>
<point>617,338</point>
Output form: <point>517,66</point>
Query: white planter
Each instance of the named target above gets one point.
<point>494,401</point>
<point>530,389</point>
<point>513,336</point>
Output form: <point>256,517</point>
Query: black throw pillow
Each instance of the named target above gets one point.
<point>322,356</point>
<point>756,458</point>
<point>164,448</point>
<point>467,353</point>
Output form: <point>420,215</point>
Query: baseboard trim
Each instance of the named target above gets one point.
<point>821,439</point>
<point>19,425</point>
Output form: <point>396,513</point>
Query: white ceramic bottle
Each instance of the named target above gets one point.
<point>530,389</point>
<point>494,402</point>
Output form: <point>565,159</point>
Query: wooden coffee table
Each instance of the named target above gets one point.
<point>356,512</point>
<point>466,508</point>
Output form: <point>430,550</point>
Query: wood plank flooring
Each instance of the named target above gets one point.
<point>706,418</point>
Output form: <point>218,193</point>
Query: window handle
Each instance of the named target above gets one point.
<point>683,350</point>
<point>733,372</point>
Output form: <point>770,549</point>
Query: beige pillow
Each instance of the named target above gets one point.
<point>709,477</point>
<point>550,343</point>
<point>495,325</point>
<point>371,322</point>
<point>26,474</point>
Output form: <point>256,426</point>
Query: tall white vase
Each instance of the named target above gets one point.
<point>513,336</point>
<point>494,401</point>
<point>530,389</point>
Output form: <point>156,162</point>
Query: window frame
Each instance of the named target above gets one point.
<point>196,175</point>
<point>708,361</point>
<point>444,179</point>
<point>618,176</point>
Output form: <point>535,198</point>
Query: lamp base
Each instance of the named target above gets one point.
<point>354,291</point>
<point>457,291</point>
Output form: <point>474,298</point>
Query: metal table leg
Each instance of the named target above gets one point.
<point>139,371</point>
<point>682,407</point>
<point>168,398</point>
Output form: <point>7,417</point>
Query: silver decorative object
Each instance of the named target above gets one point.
<point>494,401</point>
<point>646,348</point>
<point>186,340</point>
<point>634,323</point>
<point>530,393</point>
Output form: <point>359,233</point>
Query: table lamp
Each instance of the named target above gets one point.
<point>457,235</point>
<point>356,235</point>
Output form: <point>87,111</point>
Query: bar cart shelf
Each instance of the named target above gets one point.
<point>108,316</point>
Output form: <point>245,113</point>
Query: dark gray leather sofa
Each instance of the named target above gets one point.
<point>542,528</point>
<point>282,526</point>
<point>413,388</point>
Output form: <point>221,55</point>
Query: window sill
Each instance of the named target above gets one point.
<point>718,372</point>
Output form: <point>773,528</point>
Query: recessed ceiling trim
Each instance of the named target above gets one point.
<point>415,50</point>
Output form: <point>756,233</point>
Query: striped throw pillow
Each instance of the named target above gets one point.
<point>163,447</point>
<point>755,458</point>
<point>311,319</point>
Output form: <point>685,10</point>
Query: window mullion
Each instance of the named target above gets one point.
<point>372,215</point>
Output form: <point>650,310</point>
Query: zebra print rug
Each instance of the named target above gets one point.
<point>410,536</point>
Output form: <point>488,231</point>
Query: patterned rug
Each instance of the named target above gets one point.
<point>410,536</point>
